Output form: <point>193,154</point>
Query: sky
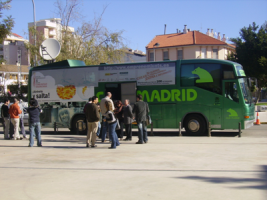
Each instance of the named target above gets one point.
<point>142,20</point>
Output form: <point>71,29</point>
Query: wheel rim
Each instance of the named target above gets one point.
<point>193,125</point>
<point>81,126</point>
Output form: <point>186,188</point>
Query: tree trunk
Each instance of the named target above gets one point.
<point>258,95</point>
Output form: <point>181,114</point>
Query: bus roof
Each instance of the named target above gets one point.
<point>78,63</point>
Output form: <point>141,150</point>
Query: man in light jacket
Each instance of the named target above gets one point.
<point>21,122</point>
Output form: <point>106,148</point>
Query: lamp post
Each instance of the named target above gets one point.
<point>155,45</point>
<point>19,72</point>
<point>35,61</point>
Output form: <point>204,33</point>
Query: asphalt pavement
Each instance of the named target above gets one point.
<point>221,167</point>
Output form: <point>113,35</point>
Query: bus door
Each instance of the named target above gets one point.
<point>122,91</point>
<point>232,112</point>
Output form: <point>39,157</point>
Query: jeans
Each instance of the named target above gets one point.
<point>98,129</point>
<point>113,135</point>
<point>35,129</point>
<point>104,130</point>
<point>142,132</point>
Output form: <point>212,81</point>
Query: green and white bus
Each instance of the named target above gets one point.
<point>194,92</point>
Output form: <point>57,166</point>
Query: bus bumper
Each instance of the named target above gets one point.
<point>248,124</point>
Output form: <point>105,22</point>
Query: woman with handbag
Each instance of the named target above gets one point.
<point>112,123</point>
<point>119,115</point>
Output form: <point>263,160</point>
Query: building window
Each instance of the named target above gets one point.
<point>203,52</point>
<point>151,56</point>
<point>215,53</point>
<point>180,54</point>
<point>165,55</point>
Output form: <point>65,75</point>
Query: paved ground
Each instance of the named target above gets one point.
<point>222,167</point>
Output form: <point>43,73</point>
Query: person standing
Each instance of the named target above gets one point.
<point>141,111</point>
<point>34,123</point>
<point>103,108</point>
<point>92,117</point>
<point>21,122</point>
<point>119,115</point>
<point>128,119</point>
<point>112,123</point>
<point>14,112</point>
<point>6,118</point>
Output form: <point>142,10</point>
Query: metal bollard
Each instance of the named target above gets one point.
<point>209,131</point>
<point>180,129</point>
<point>239,129</point>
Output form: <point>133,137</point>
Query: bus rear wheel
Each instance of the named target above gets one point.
<point>195,125</point>
<point>79,125</point>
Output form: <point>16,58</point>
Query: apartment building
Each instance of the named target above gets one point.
<point>14,66</point>
<point>188,45</point>
<point>49,28</point>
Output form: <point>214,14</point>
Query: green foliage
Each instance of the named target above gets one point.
<point>8,23</point>
<point>34,49</point>
<point>251,52</point>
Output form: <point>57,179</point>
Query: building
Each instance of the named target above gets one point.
<point>134,56</point>
<point>49,28</point>
<point>14,66</point>
<point>188,45</point>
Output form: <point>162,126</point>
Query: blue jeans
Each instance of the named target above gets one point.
<point>104,130</point>
<point>113,135</point>
<point>142,132</point>
<point>35,129</point>
<point>99,128</point>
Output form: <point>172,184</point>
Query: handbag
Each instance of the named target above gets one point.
<point>148,120</point>
<point>118,127</point>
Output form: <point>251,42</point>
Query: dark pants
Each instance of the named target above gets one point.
<point>120,131</point>
<point>128,131</point>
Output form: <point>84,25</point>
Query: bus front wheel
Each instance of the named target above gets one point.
<point>195,125</point>
<point>79,125</point>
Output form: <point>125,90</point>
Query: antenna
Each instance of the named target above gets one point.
<point>49,49</point>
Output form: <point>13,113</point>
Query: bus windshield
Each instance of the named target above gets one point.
<point>245,90</point>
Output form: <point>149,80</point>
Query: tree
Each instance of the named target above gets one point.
<point>251,53</point>
<point>91,42</point>
<point>6,24</point>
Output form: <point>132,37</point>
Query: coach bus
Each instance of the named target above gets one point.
<point>194,92</point>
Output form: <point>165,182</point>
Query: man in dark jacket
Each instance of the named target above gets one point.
<point>128,119</point>
<point>92,116</point>
<point>6,118</point>
<point>141,111</point>
<point>34,122</point>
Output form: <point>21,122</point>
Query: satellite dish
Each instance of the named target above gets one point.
<point>49,49</point>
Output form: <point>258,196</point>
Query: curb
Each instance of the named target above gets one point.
<point>261,123</point>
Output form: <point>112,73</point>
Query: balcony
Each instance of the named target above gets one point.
<point>52,33</point>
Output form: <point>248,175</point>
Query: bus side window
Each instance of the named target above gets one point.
<point>231,91</point>
<point>205,76</point>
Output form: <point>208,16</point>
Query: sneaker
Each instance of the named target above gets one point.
<point>25,137</point>
<point>87,145</point>
<point>94,146</point>
<point>139,142</point>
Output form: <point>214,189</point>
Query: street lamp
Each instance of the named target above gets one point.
<point>19,72</point>
<point>155,45</point>
<point>35,61</point>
